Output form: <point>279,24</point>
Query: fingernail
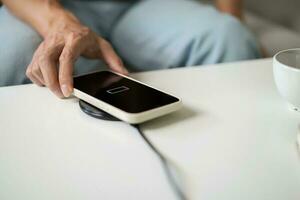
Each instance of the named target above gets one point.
<point>66,90</point>
<point>126,71</point>
<point>58,94</point>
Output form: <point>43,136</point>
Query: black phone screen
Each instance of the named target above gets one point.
<point>123,93</point>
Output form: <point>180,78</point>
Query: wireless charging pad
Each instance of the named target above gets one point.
<point>96,112</point>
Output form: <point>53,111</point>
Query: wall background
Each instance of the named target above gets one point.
<point>284,12</point>
<point>276,23</point>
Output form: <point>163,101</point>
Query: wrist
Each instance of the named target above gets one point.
<point>55,18</point>
<point>233,7</point>
<point>63,20</point>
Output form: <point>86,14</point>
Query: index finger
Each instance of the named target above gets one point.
<point>49,71</point>
<point>67,60</point>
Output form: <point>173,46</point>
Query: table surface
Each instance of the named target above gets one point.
<point>234,139</point>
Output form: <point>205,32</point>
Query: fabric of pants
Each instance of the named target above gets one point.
<point>147,35</point>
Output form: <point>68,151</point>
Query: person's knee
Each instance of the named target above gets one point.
<point>200,35</point>
<point>18,43</point>
<point>233,41</point>
<point>226,41</point>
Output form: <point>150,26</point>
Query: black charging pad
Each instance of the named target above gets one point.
<point>96,112</point>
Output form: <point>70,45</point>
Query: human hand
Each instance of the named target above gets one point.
<point>53,62</point>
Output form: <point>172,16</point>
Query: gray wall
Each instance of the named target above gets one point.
<point>285,12</point>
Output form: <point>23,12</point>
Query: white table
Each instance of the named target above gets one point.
<point>233,140</point>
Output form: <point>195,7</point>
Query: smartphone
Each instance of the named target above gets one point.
<point>123,97</point>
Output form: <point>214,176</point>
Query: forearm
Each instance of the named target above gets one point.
<point>42,15</point>
<point>234,7</point>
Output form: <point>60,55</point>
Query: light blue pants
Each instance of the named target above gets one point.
<point>148,35</point>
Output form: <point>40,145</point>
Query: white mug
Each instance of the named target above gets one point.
<point>286,69</point>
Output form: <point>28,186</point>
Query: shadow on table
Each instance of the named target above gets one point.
<point>183,114</point>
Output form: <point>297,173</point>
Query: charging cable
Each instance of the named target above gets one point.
<point>166,164</point>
